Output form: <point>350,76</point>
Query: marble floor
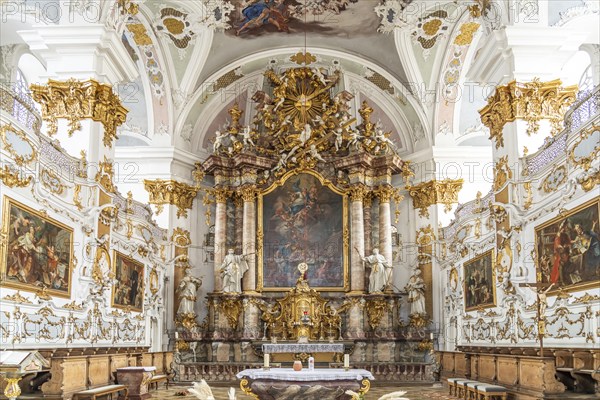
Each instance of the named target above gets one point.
<point>424,392</point>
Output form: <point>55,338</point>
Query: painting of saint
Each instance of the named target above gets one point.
<point>128,292</point>
<point>568,248</point>
<point>303,222</point>
<point>479,286</point>
<point>38,251</point>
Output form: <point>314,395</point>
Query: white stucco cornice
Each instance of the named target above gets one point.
<point>81,52</point>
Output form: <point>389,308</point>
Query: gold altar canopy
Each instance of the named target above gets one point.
<point>303,313</point>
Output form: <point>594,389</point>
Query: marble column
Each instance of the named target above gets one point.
<point>367,203</point>
<point>249,237</point>
<point>357,235</point>
<point>220,234</point>
<point>385,227</point>
<point>239,223</point>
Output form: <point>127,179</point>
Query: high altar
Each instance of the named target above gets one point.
<point>281,208</point>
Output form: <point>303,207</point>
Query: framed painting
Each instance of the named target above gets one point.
<point>479,285</point>
<point>38,253</point>
<point>568,248</point>
<point>302,218</point>
<point>128,292</point>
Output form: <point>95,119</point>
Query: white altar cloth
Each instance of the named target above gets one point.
<point>318,374</point>
<point>269,348</point>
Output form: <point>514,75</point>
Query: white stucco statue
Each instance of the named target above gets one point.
<point>378,279</point>
<point>232,270</point>
<point>416,293</point>
<point>186,290</point>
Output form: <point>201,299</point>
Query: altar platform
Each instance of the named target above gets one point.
<point>320,383</point>
<point>323,352</point>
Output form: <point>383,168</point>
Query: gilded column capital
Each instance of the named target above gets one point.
<point>435,192</point>
<point>171,192</point>
<point>358,192</point>
<point>385,193</point>
<point>248,193</point>
<point>77,100</point>
<point>531,102</point>
<point>222,194</point>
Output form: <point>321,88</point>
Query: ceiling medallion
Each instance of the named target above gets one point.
<point>301,122</point>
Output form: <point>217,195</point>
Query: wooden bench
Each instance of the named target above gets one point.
<point>460,389</point>
<point>156,379</point>
<point>100,391</point>
<point>479,390</point>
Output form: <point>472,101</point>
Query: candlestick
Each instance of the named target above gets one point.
<point>266,361</point>
<point>176,335</point>
<point>431,336</point>
<point>346,361</point>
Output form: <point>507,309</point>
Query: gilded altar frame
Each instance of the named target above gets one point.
<point>261,231</point>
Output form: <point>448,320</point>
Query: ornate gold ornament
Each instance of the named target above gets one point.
<point>15,142</point>
<point>73,306</point>
<point>43,294</point>
<point>154,285</point>
<point>498,213</point>
<point>425,236</point>
<point>589,180</point>
<point>17,298</point>
<point>245,386</point>
<point>502,173</point>
<point>301,58</point>
<point>586,298</point>
<point>12,389</point>
<point>376,308</point>
<point>528,195</point>
<point>13,178</point>
<point>77,198</point>
<point>171,192</point>
<point>532,102</point>
<point>433,192</point>
<point>105,175</point>
<point>181,237</point>
<point>76,100</point>
<point>108,214</point>
<point>358,192</point>
<point>554,179</point>
<point>232,308</point>
<point>52,181</point>
<point>302,124</point>
<point>467,32</point>
<point>586,148</point>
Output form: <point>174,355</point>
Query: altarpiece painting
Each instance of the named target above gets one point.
<point>128,292</point>
<point>568,248</point>
<point>303,220</point>
<point>38,253</point>
<point>480,288</point>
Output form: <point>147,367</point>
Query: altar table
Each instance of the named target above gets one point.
<point>136,379</point>
<point>303,348</point>
<point>319,384</point>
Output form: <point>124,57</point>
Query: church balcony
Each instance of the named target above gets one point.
<point>20,106</point>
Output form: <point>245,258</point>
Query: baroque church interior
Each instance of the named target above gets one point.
<point>300,199</point>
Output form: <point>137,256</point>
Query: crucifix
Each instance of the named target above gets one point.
<point>541,290</point>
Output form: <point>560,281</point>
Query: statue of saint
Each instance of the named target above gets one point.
<point>186,290</point>
<point>416,293</point>
<point>232,270</point>
<point>378,279</point>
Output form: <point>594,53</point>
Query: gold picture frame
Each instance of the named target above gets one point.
<point>479,287</point>
<point>129,290</point>
<point>330,263</point>
<point>24,266</point>
<point>566,256</point>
